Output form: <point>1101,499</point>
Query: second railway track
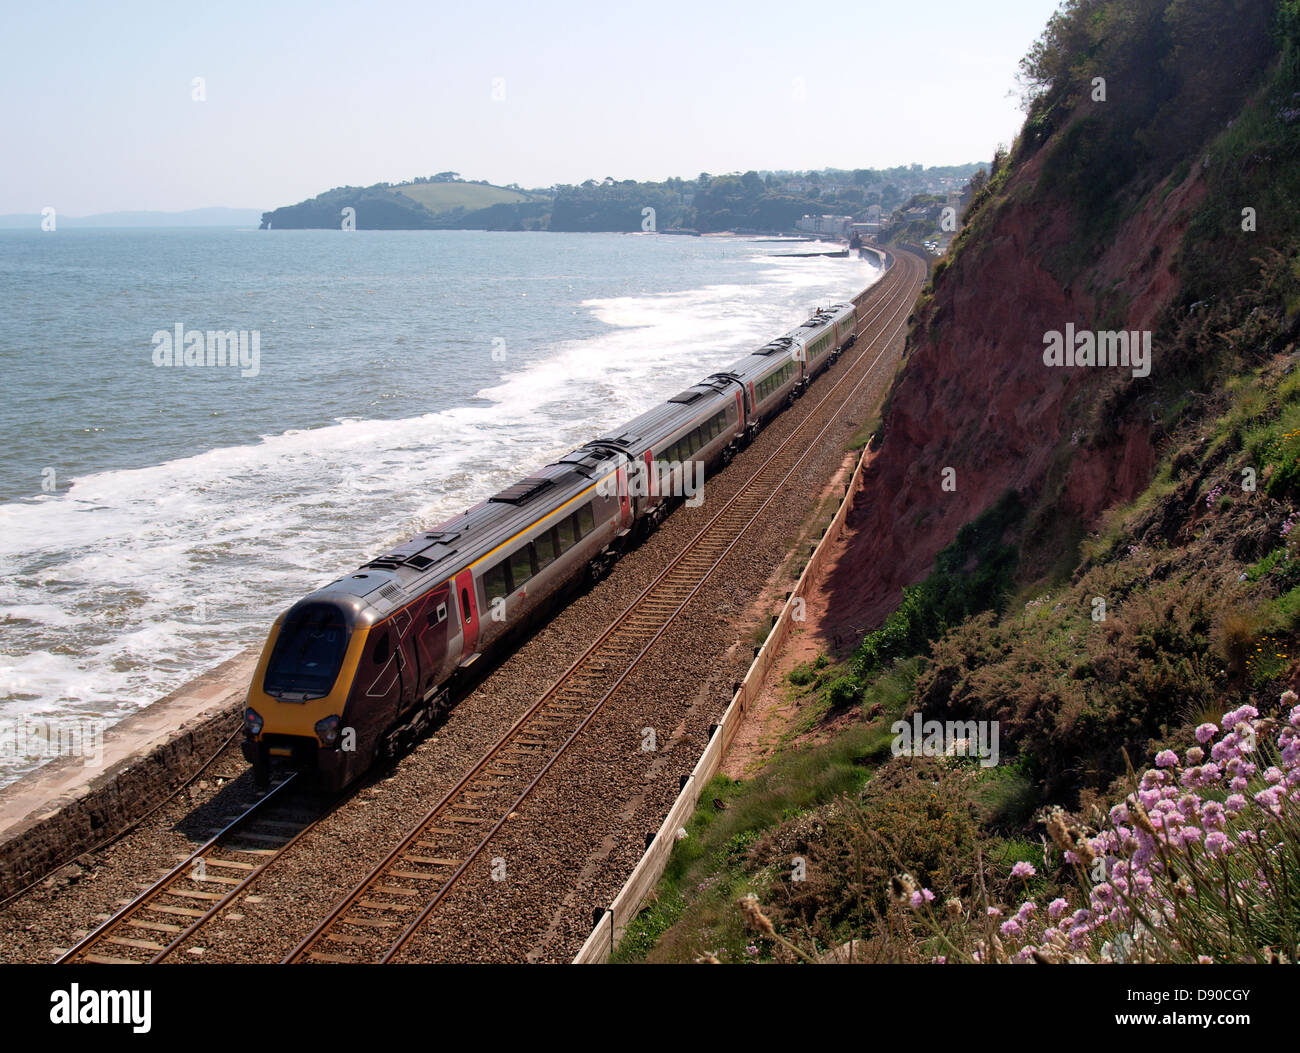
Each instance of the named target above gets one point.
<point>154,925</point>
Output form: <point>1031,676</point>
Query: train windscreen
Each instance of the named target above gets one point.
<point>307,654</point>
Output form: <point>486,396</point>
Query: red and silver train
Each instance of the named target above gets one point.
<point>361,667</point>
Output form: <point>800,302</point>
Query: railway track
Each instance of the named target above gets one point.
<point>153,925</point>
<point>374,921</point>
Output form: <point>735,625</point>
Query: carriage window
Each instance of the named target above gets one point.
<point>585,519</point>
<point>547,550</point>
<point>381,650</point>
<point>564,534</point>
<point>496,582</point>
<point>521,566</point>
<point>438,616</point>
<point>308,652</point>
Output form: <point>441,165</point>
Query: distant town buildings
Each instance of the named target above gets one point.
<point>834,225</point>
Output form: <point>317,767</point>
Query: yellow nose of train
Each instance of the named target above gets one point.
<point>299,694</point>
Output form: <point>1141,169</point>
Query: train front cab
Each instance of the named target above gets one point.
<point>298,697</point>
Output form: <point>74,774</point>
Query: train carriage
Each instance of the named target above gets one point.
<point>825,335</point>
<point>773,377</point>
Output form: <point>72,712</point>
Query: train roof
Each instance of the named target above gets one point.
<point>382,585</point>
<point>655,425</point>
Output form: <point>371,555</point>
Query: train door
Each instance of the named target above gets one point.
<point>469,615</point>
<point>625,471</point>
<point>647,470</point>
<point>432,629</point>
<point>408,658</point>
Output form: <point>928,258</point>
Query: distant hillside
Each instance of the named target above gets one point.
<point>421,205</point>
<point>749,203</point>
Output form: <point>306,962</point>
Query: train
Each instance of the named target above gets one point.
<point>359,669</point>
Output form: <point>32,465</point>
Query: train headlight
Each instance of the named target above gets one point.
<point>252,722</point>
<point>327,731</point>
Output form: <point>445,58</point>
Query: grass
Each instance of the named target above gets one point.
<point>693,909</point>
<point>444,197</point>
<point>705,874</point>
<point>863,435</point>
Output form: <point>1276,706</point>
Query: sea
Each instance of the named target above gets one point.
<point>157,511</point>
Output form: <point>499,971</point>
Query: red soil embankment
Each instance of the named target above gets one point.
<point>974,395</point>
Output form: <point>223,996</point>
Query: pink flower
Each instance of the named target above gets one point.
<point>1270,799</point>
<point>1057,907</point>
<point>1235,803</point>
<point>1023,870</point>
<point>1240,715</point>
<point>1010,928</point>
<point>1166,758</point>
<point>1216,844</point>
<point>1205,732</point>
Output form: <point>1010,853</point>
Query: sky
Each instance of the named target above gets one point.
<point>99,111</point>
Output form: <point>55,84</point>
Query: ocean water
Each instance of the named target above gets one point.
<point>154,519</point>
